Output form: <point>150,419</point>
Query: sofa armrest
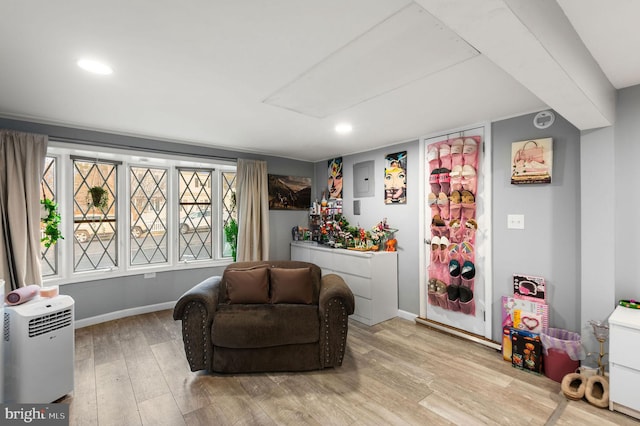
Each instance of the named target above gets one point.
<point>196,308</point>
<point>333,286</point>
<point>335,305</point>
<point>206,293</point>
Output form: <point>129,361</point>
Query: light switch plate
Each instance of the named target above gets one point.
<point>515,221</point>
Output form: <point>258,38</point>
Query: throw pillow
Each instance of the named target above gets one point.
<point>291,285</point>
<point>247,285</point>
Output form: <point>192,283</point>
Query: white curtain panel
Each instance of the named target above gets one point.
<point>22,157</point>
<point>253,210</point>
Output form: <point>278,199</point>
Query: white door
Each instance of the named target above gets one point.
<point>456,270</point>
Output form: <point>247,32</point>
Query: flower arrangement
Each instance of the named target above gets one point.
<point>379,232</point>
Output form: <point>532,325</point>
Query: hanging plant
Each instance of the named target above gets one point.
<point>51,220</point>
<point>231,230</point>
<point>99,197</point>
<point>231,236</point>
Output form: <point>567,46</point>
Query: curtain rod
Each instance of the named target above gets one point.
<point>143,149</point>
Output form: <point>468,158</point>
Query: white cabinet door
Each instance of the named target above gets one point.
<point>624,362</point>
<point>371,276</point>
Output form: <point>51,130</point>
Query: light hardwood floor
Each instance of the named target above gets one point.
<point>133,371</point>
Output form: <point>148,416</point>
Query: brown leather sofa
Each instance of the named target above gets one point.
<point>266,316</point>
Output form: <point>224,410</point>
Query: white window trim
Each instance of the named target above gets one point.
<point>57,188</point>
<point>130,158</point>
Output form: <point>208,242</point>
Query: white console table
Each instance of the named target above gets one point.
<point>624,362</point>
<point>371,276</point>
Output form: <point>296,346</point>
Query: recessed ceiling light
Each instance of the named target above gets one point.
<point>344,128</point>
<point>95,67</point>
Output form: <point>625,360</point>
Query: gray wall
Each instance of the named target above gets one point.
<point>627,204</point>
<point>609,209</point>
<point>373,210</point>
<point>598,191</point>
<point>549,246</point>
<point>100,297</point>
<point>281,221</point>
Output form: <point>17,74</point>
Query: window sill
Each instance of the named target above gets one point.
<point>81,277</point>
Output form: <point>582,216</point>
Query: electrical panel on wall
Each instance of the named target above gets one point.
<point>363,179</point>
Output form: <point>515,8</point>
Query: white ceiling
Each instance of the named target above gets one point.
<point>277,76</point>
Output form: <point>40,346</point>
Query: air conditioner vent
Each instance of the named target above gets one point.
<point>50,322</point>
<point>7,326</point>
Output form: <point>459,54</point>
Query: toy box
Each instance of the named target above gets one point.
<point>506,343</point>
<point>529,288</point>
<point>525,315</point>
<point>526,351</point>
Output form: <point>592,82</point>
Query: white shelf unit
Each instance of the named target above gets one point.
<point>624,362</point>
<point>371,276</point>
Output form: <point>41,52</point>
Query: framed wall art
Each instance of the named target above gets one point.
<point>334,178</point>
<point>289,192</point>
<point>395,178</point>
<point>531,161</point>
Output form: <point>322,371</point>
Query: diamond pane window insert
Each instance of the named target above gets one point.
<point>49,185</point>
<point>148,216</point>
<point>195,214</point>
<point>95,221</point>
<point>229,215</point>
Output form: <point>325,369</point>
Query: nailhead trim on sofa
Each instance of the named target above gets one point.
<point>342,318</point>
<point>187,323</point>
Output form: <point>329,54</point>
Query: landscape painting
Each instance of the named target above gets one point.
<point>289,192</point>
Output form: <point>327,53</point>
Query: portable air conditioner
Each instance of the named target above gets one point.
<point>38,350</point>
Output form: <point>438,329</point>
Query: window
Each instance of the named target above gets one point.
<point>95,223</point>
<point>148,215</point>
<point>123,212</point>
<point>229,215</point>
<point>49,254</point>
<point>194,199</point>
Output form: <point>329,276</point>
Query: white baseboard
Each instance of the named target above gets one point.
<point>123,314</point>
<point>460,333</point>
<point>407,315</point>
<point>413,317</point>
